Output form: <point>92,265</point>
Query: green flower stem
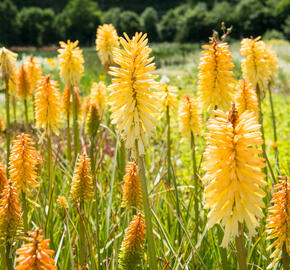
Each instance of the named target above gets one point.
<point>14,113</point>
<point>24,208</point>
<point>75,122</point>
<point>82,236</point>
<point>7,107</point>
<point>9,260</point>
<point>26,116</point>
<point>168,147</point>
<point>195,177</point>
<point>148,221</point>
<point>285,258</point>
<point>274,127</point>
<point>68,136</point>
<point>241,252</point>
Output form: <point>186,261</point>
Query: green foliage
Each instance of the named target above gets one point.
<point>252,18</point>
<point>273,34</point>
<point>82,17</point>
<point>9,27</point>
<point>113,16</point>
<point>193,25</point>
<point>286,28</point>
<point>168,26</point>
<point>149,20</point>
<point>129,23</point>
<point>36,26</point>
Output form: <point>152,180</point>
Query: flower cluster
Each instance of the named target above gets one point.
<point>233,193</point>
<point>133,104</point>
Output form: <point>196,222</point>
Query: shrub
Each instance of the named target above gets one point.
<point>82,18</point>
<point>273,34</point>
<point>286,28</point>
<point>193,25</point>
<point>168,26</point>
<point>9,27</point>
<point>113,16</point>
<point>129,23</point>
<point>149,20</point>
<point>221,12</point>
<point>36,26</point>
<point>252,18</point>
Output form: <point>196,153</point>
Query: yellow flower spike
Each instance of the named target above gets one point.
<point>99,95</point>
<point>133,104</point>
<point>132,247</point>
<point>23,88</point>
<point>189,118</point>
<point>216,77</point>
<point>47,105</point>
<point>233,176</point>
<point>66,100</point>
<point>82,184</point>
<point>2,125</point>
<point>132,194</point>
<point>34,71</point>
<point>278,221</point>
<point>168,96</point>
<point>3,178</point>
<point>246,97</point>
<point>93,120</point>
<point>51,62</point>
<point>23,163</point>
<point>35,254</point>
<point>255,66</point>
<point>62,202</point>
<point>7,63</point>
<point>85,107</point>
<point>71,63</point>
<point>12,83</point>
<point>10,215</point>
<point>273,63</point>
<point>107,40</point>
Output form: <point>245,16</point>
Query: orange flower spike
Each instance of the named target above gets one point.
<point>278,222</point>
<point>23,88</point>
<point>3,178</point>
<point>10,215</point>
<point>82,184</point>
<point>246,97</point>
<point>132,196</point>
<point>47,105</point>
<point>23,163</point>
<point>35,255</point>
<point>2,124</point>
<point>34,70</point>
<point>132,247</point>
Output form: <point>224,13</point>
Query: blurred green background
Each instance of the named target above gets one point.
<point>44,22</point>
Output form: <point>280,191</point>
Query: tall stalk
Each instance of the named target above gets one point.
<point>9,261</point>
<point>285,258</point>
<point>75,122</point>
<point>14,113</point>
<point>68,136</point>
<point>262,126</point>
<point>169,170</point>
<point>7,107</point>
<point>93,166</point>
<point>241,252</point>
<point>34,121</point>
<point>26,116</point>
<point>274,127</point>
<point>148,221</point>
<point>50,177</point>
<point>25,211</point>
<point>168,147</point>
<point>195,177</point>
<point>82,236</point>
